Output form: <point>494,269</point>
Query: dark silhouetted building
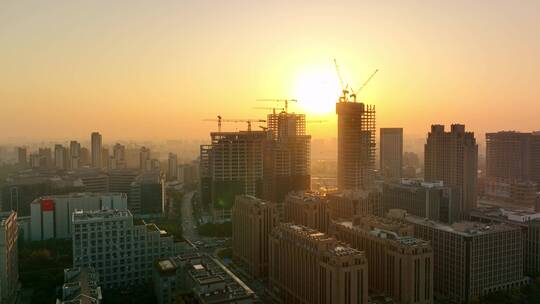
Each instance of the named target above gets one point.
<point>391,149</point>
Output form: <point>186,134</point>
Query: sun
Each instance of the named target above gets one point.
<point>317,90</point>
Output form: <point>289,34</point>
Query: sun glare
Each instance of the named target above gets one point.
<point>317,91</point>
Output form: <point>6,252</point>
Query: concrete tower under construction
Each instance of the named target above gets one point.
<point>356,144</point>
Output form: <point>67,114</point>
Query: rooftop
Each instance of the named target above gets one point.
<point>464,228</point>
<point>83,215</point>
<point>82,285</point>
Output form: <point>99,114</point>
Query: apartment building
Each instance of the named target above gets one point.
<point>345,205</point>
<point>9,260</point>
<point>309,209</point>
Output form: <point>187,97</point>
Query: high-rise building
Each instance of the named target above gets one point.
<point>96,142</point>
<point>122,252</point>
<point>452,157</point>
<point>119,154</point>
<point>231,165</point>
<point>307,266</point>
<point>105,158</point>
<point>45,158</point>
<point>86,158</point>
<point>60,157</point>
<point>400,267</point>
<point>307,209</point>
<point>356,145</point>
<point>287,161</point>
<point>172,167</point>
<point>430,200</point>
<point>145,162</point>
<point>9,260</point>
<point>22,158</point>
<point>391,153</point>
<point>472,259</point>
<point>147,194</point>
<point>120,180</point>
<point>50,216</point>
<point>252,221</point>
<point>75,154</point>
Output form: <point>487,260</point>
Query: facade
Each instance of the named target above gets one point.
<point>119,156</point>
<point>307,266</point>
<point>50,216</point>
<point>22,157</point>
<point>356,145</point>
<point>120,180</point>
<point>147,194</point>
<point>122,251</point>
<point>74,154</point>
<point>172,165</point>
<point>400,267</point>
<point>528,221</point>
<point>452,157</point>
<point>145,161</point>
<point>207,278</point>
<point>307,209</point>
<point>252,221</point>
<point>81,285</point>
<point>232,165</point>
<point>96,149</point>
<point>345,205</point>
<point>430,200</point>
<point>391,149</point>
<point>9,260</point>
<point>60,157</point>
<point>472,259</point>
<point>287,165</point>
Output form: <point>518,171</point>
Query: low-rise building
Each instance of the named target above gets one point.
<point>122,251</point>
<point>50,216</point>
<point>81,286</point>
<point>208,279</point>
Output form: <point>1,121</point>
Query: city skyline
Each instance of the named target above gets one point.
<point>137,68</point>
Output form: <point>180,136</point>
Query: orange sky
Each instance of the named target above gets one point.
<point>155,69</point>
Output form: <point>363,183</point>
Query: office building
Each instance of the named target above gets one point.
<point>96,144</point>
<point>81,285</point>
<point>50,216</point>
<point>472,259</point>
<point>231,165</point>
<point>400,267</point>
<point>93,179</point>
<point>430,200</point>
<point>452,157</point>
<point>86,159</point>
<point>252,221</point>
<point>119,156</point>
<point>391,153</point>
<point>309,209</point>
<point>105,159</point>
<point>147,194</point>
<point>9,260</point>
<point>208,279</point>
<point>356,144</point>
<point>345,205</point>
<point>74,154</point>
<point>120,179</point>
<point>287,164</point>
<point>45,158</point>
<point>122,251</point>
<point>307,266</point>
<point>172,167</point>
<point>22,158</point>
<point>528,221</point>
<point>145,162</point>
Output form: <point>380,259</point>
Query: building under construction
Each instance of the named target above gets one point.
<point>356,144</point>
<point>287,166</point>
<point>231,165</point>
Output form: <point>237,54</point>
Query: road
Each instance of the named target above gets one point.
<point>189,225</point>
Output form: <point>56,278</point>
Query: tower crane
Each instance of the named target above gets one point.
<point>285,101</point>
<point>344,88</point>
<point>269,108</point>
<point>353,95</point>
<point>220,120</point>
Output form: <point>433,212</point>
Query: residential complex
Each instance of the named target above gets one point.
<point>97,153</point>
<point>122,251</point>
<point>452,157</point>
<point>252,221</point>
<point>307,266</point>
<point>350,203</point>
<point>309,209</point>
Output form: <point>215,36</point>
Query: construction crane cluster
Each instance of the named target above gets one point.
<point>345,96</point>
<point>220,120</point>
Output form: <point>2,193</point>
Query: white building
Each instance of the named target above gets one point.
<point>50,216</point>
<point>122,252</point>
<point>9,261</point>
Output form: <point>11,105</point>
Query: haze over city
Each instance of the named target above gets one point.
<point>147,71</point>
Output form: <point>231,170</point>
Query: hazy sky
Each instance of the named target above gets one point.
<point>155,69</point>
